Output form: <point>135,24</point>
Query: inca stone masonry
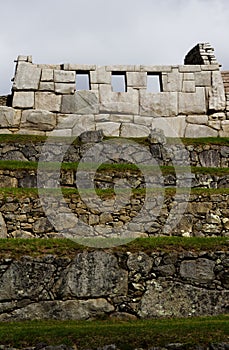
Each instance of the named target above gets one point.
<point>190,100</point>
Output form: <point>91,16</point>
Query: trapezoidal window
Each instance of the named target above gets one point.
<point>83,81</point>
<point>154,82</point>
<point>118,82</point>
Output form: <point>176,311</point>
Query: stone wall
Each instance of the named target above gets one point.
<point>190,101</point>
<point>99,283</point>
<point>206,215</point>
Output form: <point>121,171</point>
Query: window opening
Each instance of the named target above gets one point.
<point>154,83</point>
<point>118,82</point>
<point>83,81</point>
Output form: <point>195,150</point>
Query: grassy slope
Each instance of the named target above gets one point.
<point>126,335</point>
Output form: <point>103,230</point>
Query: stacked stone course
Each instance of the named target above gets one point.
<point>191,102</point>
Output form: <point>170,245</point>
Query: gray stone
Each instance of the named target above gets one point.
<point>188,86</point>
<point>64,76</point>
<point>133,130</point>
<point>47,86</point>
<point>64,88</point>
<point>162,104</point>
<point>203,78</point>
<point>60,310</point>
<point>23,99</point>
<point>136,79</point>
<point>83,123</point>
<point>109,128</point>
<point>174,299</point>
<point>209,158</point>
<point>140,262</point>
<point>193,130</point>
<point>38,120</point>
<point>9,117</point>
<point>200,270</point>
<point>171,127</point>
<point>197,119</point>
<point>82,102</point>
<point>47,75</point>
<point>3,228</point>
<point>93,274</point>
<point>27,77</point>
<point>217,100</point>
<point>47,101</point>
<point>100,76</point>
<point>174,82</point>
<point>91,136</point>
<point>192,103</point>
<point>225,128</point>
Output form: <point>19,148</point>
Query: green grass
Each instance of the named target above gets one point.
<point>127,335</point>
<point>17,247</point>
<point>142,140</point>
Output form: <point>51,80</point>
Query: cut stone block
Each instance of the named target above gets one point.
<point>203,78</point>
<point>188,86</point>
<point>62,88</point>
<point>225,129</point>
<point>217,101</point>
<point>140,120</point>
<point>79,67</point>
<point>174,83</point>
<point>83,123</point>
<point>192,103</point>
<point>197,119</point>
<point>38,120</point>
<point>109,128</point>
<point>46,86</point>
<point>47,74</point>
<point>136,79</point>
<point>23,99</point>
<point>133,130</point>
<point>189,68</point>
<point>61,76</point>
<point>171,127</point>
<point>116,118</point>
<point>47,101</point>
<point>188,76</point>
<point>9,117</point>
<point>82,102</point>
<point>158,105</point>
<point>193,130</point>
<point>118,102</point>
<point>60,133</point>
<point>155,69</point>
<point>27,77</point>
<point>100,76</point>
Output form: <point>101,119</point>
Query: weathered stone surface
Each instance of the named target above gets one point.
<point>210,159</point>
<point>91,136</point>
<point>63,88</point>
<point>192,103</point>
<point>193,130</point>
<point>83,123</point>
<point>47,101</point>
<point>38,120</point>
<point>61,310</point>
<point>174,82</point>
<point>173,299</point>
<point>27,77</point>
<point>8,181</point>
<point>201,270</point>
<point>9,117</point>
<point>172,127</point>
<point>64,76</point>
<point>217,100</point>
<point>93,274</point>
<point>225,129</point>
<point>140,262</point>
<point>3,228</point>
<point>109,128</point>
<point>47,74</point>
<point>23,99</point>
<point>47,86</point>
<point>197,119</point>
<point>118,102</point>
<point>82,102</point>
<point>100,76</point>
<point>133,130</point>
<point>158,105</point>
<point>137,79</point>
<point>203,78</point>
<point>188,86</point>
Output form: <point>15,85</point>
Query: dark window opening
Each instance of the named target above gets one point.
<point>154,83</point>
<point>83,81</point>
<point>118,82</point>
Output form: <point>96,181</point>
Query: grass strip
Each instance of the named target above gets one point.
<point>126,335</point>
<point>18,247</point>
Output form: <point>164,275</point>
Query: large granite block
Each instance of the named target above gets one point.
<point>27,77</point>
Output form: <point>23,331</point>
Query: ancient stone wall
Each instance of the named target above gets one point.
<point>189,100</point>
<point>100,283</point>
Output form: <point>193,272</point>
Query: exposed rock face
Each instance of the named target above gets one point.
<point>98,283</point>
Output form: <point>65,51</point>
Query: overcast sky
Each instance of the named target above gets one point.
<point>109,31</point>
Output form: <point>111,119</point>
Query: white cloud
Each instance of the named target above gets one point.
<point>109,31</point>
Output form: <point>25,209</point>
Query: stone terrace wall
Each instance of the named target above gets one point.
<point>100,283</point>
<point>190,102</point>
